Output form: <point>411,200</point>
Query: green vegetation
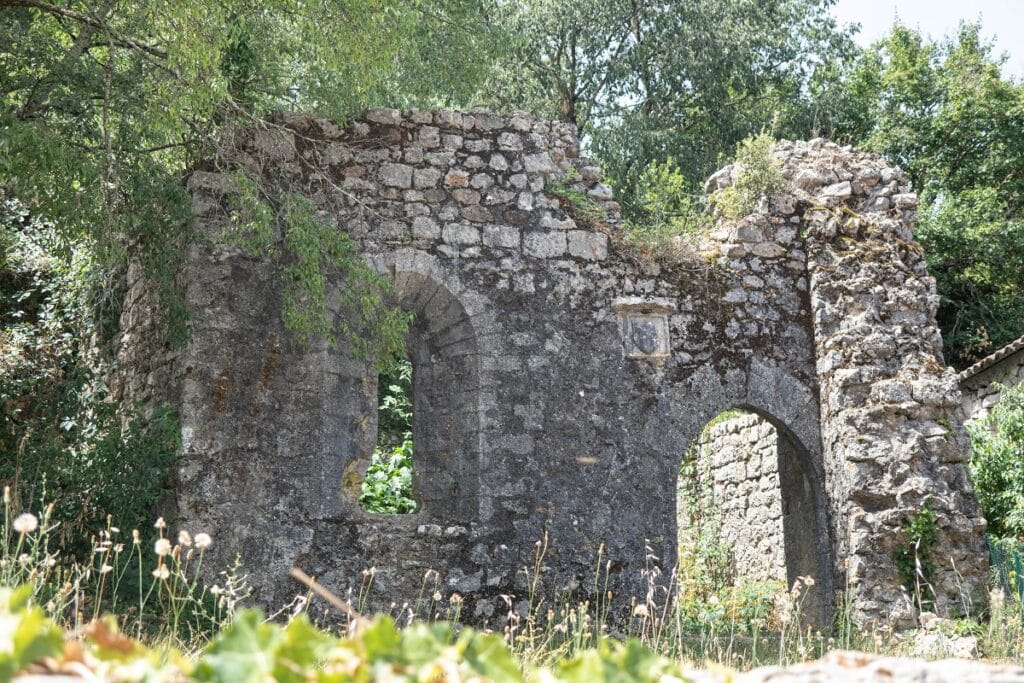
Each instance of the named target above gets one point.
<point>916,560</point>
<point>670,210</point>
<point>577,203</point>
<point>60,434</point>
<point>251,650</point>
<point>104,108</point>
<point>650,81</point>
<point>387,487</point>
<point>756,175</point>
<point>997,467</point>
<point>943,112</point>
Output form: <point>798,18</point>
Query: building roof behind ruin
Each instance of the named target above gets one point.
<point>988,361</point>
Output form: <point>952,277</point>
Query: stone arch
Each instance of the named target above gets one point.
<point>442,345</point>
<point>799,494</point>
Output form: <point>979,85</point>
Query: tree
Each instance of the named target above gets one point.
<point>104,106</point>
<point>997,467</point>
<point>942,111</point>
<point>646,81</point>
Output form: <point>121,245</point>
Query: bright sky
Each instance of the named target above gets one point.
<point>1001,19</point>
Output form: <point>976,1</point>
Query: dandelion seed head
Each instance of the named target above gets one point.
<point>203,540</point>
<point>25,523</point>
<point>184,538</point>
<point>161,572</point>
<point>162,547</point>
<point>160,523</point>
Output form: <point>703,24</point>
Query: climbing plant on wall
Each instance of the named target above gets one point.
<point>104,106</point>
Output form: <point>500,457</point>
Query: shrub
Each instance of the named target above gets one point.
<point>62,435</point>
<point>997,466</point>
<point>756,174</point>
<point>387,487</point>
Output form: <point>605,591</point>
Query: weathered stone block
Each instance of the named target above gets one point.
<point>425,228</point>
<point>544,244</point>
<point>501,236</point>
<point>592,246</point>
<point>396,175</point>
<point>460,233</point>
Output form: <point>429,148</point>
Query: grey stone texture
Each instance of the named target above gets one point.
<point>735,486</point>
<point>860,667</point>
<point>559,382</point>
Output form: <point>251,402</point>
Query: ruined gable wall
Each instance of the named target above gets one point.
<point>581,372</point>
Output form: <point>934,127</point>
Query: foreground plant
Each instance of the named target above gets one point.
<point>253,650</point>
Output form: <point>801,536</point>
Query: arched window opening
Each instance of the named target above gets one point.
<point>749,515</point>
<point>388,484</point>
<point>432,400</point>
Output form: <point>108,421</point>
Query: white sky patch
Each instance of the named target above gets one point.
<point>1002,20</point>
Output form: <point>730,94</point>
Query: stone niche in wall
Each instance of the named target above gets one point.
<point>561,375</point>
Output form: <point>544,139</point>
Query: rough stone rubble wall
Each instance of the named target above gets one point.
<point>584,370</point>
<point>891,418</point>
<point>735,487</point>
<point>980,393</point>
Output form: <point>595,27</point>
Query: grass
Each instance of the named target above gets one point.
<point>153,587</point>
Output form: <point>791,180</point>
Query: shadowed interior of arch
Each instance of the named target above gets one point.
<point>750,511</point>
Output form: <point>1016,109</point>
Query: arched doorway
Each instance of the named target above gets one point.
<point>751,507</point>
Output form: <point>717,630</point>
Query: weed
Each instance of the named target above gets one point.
<point>756,174</point>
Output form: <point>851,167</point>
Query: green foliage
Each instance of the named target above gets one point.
<point>997,466</point>
<point>619,662</point>
<point>61,433</point>
<point>916,560</point>
<point>394,401</point>
<point>943,112</point>
<point>577,203</point>
<point>974,244</point>
<point>668,206</point>
<point>756,175</point>
<point>648,81</point>
<point>387,486</point>
<point>26,635</point>
<point>314,247</point>
<point>252,650</point>
<point>102,111</point>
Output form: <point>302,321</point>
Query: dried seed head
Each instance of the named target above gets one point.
<point>25,523</point>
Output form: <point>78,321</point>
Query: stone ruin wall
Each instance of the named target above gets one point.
<point>563,376</point>
<point>735,487</point>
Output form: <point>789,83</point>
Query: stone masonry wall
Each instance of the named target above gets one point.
<point>891,419</point>
<point>736,486</point>
<point>570,374</point>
